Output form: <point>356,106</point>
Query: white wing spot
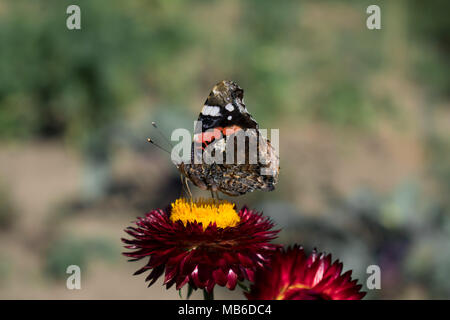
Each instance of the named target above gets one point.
<point>212,111</point>
<point>229,107</point>
<point>230,117</point>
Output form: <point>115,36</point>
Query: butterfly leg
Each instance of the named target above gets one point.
<point>187,188</point>
<point>185,184</point>
<point>217,195</point>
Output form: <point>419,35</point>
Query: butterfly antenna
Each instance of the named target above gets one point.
<point>157,145</point>
<point>161,134</point>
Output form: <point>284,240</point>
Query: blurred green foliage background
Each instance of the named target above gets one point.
<point>364,119</point>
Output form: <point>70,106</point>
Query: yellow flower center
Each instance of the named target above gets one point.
<point>205,211</point>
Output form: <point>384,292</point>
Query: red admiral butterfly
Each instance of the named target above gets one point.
<point>224,116</point>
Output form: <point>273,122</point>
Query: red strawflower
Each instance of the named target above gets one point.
<point>292,275</point>
<point>202,243</point>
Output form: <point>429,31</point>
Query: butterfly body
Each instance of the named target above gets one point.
<point>223,117</point>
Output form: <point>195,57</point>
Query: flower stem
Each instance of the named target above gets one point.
<point>208,295</point>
